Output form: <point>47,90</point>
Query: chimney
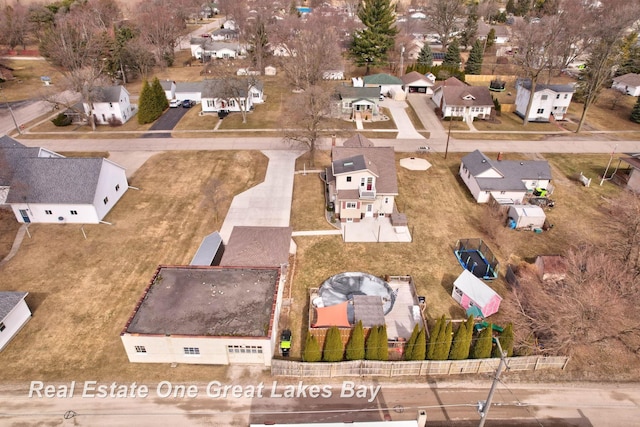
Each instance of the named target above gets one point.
<point>499,156</point>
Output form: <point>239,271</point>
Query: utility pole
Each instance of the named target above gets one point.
<point>606,171</point>
<point>446,148</point>
<point>402,61</point>
<point>483,407</point>
<point>15,122</point>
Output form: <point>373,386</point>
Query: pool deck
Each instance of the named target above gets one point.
<point>405,313</point>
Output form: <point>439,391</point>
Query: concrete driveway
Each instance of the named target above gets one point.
<point>268,204</point>
<point>397,109</point>
<point>425,109</point>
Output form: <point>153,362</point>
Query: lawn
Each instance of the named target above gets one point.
<point>27,81</point>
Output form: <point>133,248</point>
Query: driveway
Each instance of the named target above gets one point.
<point>167,122</point>
<point>425,109</point>
<point>397,109</point>
<point>268,204</point>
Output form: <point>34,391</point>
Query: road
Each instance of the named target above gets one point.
<point>445,404</point>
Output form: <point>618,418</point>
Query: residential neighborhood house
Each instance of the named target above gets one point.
<point>42,186</point>
<point>550,102</point>
<point>169,87</point>
<point>457,99</point>
<point>111,105</point>
<point>205,49</point>
<point>359,100</point>
<point>362,182</point>
<point>14,314</point>
<point>216,96</point>
<point>507,181</point>
<point>414,82</point>
<point>628,83</point>
<point>189,90</point>
<point>390,86</point>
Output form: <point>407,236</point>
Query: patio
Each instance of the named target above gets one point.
<point>374,230</point>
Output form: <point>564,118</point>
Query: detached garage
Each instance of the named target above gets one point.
<point>526,216</point>
<point>469,291</point>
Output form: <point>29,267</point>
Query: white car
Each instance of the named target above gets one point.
<point>175,103</point>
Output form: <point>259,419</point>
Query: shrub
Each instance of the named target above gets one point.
<point>61,120</point>
<point>410,345</point>
<point>383,345</point>
<point>312,351</point>
<point>436,332</point>
<point>506,341</point>
<point>482,347</point>
<point>114,122</point>
<point>371,352</point>
<point>461,342</point>
<point>420,349</point>
<point>333,351</point>
<point>355,346</point>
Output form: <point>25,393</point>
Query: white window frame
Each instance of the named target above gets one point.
<point>191,351</point>
<point>351,205</point>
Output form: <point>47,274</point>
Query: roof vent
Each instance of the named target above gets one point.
<point>521,163</point>
<point>347,164</point>
<point>484,160</point>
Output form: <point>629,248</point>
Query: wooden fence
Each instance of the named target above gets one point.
<point>357,368</point>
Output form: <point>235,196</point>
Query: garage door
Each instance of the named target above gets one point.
<point>245,354</point>
<point>417,89</point>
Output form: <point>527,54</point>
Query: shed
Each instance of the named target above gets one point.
<point>526,216</point>
<point>551,267</point>
<point>14,314</point>
<point>469,291</point>
<point>210,250</point>
<point>269,70</point>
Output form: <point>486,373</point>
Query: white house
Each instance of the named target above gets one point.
<point>508,181</point>
<point>389,85</point>
<point>414,82</point>
<point>224,34</point>
<point>502,32</point>
<point>359,100</point>
<point>362,181</point>
<point>189,90</point>
<point>45,187</point>
<point>206,315</point>
<point>14,314</point>
<point>229,24</point>
<point>628,83</point>
<point>457,99</point>
<point>204,49</point>
<point>231,95</point>
<point>169,87</point>
<point>550,102</point>
<point>110,104</point>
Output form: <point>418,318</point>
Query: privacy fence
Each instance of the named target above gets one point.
<point>357,368</point>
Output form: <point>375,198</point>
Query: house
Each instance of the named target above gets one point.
<point>438,58</point>
<point>628,83</point>
<point>42,186</point>
<point>206,315</point>
<point>628,177</point>
<point>550,102</point>
<point>389,85</point>
<point>204,48</point>
<point>229,24</point>
<point>470,291</point>
<point>224,34</point>
<point>507,181</point>
<point>14,314</point>
<point>414,82</point>
<point>189,90</point>
<point>362,182</point>
<point>359,100</point>
<point>169,87</point>
<point>457,99</point>
<point>216,95</point>
<point>111,105</point>
<point>502,32</point>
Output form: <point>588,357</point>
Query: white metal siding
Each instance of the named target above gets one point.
<point>13,322</point>
<point>111,175</point>
<point>86,214</point>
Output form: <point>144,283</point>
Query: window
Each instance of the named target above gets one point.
<point>111,105</point>
<point>558,96</point>
<point>210,103</point>
<point>386,200</point>
<point>232,103</point>
<point>543,97</point>
<point>540,110</point>
<point>255,95</point>
<point>48,212</point>
<point>192,351</point>
<point>249,349</point>
<point>105,200</point>
<point>117,187</point>
<point>351,205</point>
<point>348,179</point>
<point>566,95</point>
<point>140,349</point>
<point>73,212</point>
<point>2,326</point>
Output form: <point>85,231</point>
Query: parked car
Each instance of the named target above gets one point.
<point>285,342</point>
<point>174,103</point>
<point>187,103</point>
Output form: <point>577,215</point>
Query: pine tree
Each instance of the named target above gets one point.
<point>410,345</point>
<point>383,345</point>
<point>355,346</point>
<point>511,7</point>
<point>471,26</point>
<point>452,56</point>
<point>145,108</point>
<point>635,112</point>
<point>333,351</point>
<point>371,352</point>
<point>444,343</point>
<point>160,98</point>
<point>425,57</point>
<point>506,341</point>
<point>420,349</point>
<point>491,38</point>
<point>312,351</point>
<point>482,347</point>
<point>371,44</point>
<point>474,64</point>
<point>457,346</point>
<point>436,332</point>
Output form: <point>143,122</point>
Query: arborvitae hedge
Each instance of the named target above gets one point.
<point>460,343</point>
<point>410,345</point>
<point>371,352</point>
<point>635,112</point>
<point>355,346</point>
<point>383,345</point>
<point>482,347</point>
<point>333,351</point>
<point>159,96</point>
<point>444,343</point>
<point>436,333</point>
<point>506,341</point>
<point>312,351</point>
<point>420,349</point>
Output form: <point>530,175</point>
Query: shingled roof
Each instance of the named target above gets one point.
<point>8,301</point>
<point>379,160</point>
<point>629,79</point>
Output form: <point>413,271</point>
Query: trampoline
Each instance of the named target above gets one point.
<point>344,286</point>
<point>474,255</point>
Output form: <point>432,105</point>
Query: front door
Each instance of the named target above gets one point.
<point>25,216</point>
<point>369,211</point>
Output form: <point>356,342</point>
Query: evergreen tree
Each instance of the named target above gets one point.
<point>333,351</point>
<point>506,341</point>
<point>482,347</point>
<point>355,346</point>
<point>160,98</point>
<point>491,38</point>
<point>371,352</point>
<point>371,44</point>
<point>452,56</point>
<point>471,26</point>
<point>444,343</point>
<point>420,349</point>
<point>474,64</point>
<point>522,7</point>
<point>145,107</point>
<point>433,338</point>
<point>457,346</point>
<point>383,345</point>
<point>635,112</point>
<point>511,7</point>
<point>410,345</point>
<point>312,351</point>
<point>425,57</point>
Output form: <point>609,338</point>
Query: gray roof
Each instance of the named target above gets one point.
<point>208,250</point>
<point>189,87</point>
<point>213,45</point>
<point>415,77</point>
<point>629,79</point>
<point>526,83</point>
<point>351,92</point>
<point>225,32</point>
<point>381,79</point>
<point>8,300</point>
<point>380,160</point>
<point>358,140</point>
<point>369,309</point>
<point>207,301</point>
<point>257,247</point>
<point>467,96</point>
<point>55,180</point>
<point>108,94</point>
<point>11,160</point>
<point>8,142</point>
<point>215,88</point>
<point>166,84</point>
<point>513,171</point>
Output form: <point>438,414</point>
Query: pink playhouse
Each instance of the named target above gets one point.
<point>469,291</point>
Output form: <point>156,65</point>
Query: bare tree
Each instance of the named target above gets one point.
<point>160,27</point>
<point>624,215</point>
<point>443,17</point>
<point>14,26</point>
